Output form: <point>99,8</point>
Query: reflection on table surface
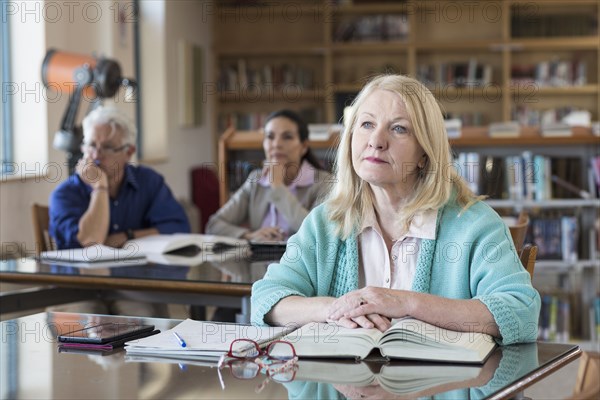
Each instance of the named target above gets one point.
<point>239,267</point>
<point>32,367</point>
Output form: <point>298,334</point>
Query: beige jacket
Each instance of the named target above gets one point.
<point>246,210</point>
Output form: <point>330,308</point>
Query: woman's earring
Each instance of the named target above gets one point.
<point>422,162</point>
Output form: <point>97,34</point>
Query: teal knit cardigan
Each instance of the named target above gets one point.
<point>472,257</point>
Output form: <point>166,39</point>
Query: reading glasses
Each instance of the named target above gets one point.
<point>246,359</point>
<point>108,150</point>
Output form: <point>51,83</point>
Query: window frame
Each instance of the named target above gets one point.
<point>6,155</point>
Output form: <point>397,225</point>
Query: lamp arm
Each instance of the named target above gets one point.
<point>68,121</point>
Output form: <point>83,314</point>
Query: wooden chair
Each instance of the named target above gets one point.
<point>205,193</point>
<point>587,385</point>
<point>41,221</point>
<point>518,231</point>
<point>527,256</point>
<point>527,253</point>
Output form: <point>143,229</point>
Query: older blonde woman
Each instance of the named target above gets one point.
<point>401,234</point>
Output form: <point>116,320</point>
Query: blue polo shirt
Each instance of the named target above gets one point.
<point>144,201</point>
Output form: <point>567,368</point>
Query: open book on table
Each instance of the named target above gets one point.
<point>407,338</point>
<point>395,378</point>
<point>184,248</point>
<point>93,256</point>
<point>204,340</point>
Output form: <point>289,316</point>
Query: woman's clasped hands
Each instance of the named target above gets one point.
<point>266,234</point>
<point>370,307</point>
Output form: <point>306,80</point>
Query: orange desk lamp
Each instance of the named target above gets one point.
<point>79,76</point>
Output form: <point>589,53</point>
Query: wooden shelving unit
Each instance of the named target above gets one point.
<point>308,36</point>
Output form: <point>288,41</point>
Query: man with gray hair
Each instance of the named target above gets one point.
<point>108,200</point>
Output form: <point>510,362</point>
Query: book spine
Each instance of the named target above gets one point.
<point>596,320</point>
<point>539,177</point>
<point>544,325</point>
<point>553,318</point>
<point>564,316</point>
<point>529,175</point>
<point>473,171</point>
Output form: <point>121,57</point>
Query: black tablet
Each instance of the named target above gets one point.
<point>104,333</point>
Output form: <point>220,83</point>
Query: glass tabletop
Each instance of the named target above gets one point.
<point>229,267</point>
<point>32,367</point>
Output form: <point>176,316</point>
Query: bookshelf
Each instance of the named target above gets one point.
<point>484,62</point>
<point>314,56</point>
<point>566,283</point>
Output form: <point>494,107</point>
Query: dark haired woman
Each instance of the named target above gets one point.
<point>274,200</point>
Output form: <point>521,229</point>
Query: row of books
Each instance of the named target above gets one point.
<point>468,118</point>
<point>595,172</point>
<point>525,23</point>
<point>526,176</point>
<point>526,115</point>
<point>346,72</point>
<point>247,121</point>
<point>595,319</point>
<point>469,74</point>
<point>242,121</point>
<point>382,27</point>
<point>556,236</point>
<point>240,76</point>
<point>556,73</point>
<point>555,318</point>
<point>521,177</point>
<point>561,315</point>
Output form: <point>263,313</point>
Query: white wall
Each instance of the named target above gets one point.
<point>185,147</point>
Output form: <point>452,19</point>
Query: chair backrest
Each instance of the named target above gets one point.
<point>527,256</point>
<point>518,231</point>
<point>205,193</point>
<point>41,222</point>
<point>587,385</point>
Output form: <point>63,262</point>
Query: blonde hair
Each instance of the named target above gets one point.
<point>351,197</point>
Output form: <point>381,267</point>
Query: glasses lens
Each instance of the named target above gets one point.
<point>281,351</point>
<point>243,348</point>
<point>244,369</point>
<point>282,374</point>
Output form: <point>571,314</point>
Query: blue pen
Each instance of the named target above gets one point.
<point>179,339</point>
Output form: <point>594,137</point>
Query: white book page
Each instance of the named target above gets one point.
<point>413,330</point>
<point>204,336</point>
<point>419,340</point>
<point>159,244</point>
<point>91,254</point>
<point>331,340</point>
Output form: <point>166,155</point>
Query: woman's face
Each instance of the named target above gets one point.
<point>282,142</point>
<point>385,151</point>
